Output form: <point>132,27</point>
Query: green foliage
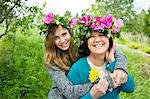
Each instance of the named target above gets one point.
<point>22,71</point>
<point>124,7</point>
<point>147,24</point>
<point>140,23</point>
<point>15,14</point>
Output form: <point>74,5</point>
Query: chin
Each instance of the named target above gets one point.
<point>64,49</point>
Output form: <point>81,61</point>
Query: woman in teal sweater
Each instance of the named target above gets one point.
<point>79,74</point>
<point>97,45</point>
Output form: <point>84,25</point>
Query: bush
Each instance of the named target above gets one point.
<point>146,49</point>
<point>134,45</point>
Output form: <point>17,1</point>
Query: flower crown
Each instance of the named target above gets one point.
<point>83,27</point>
<point>51,20</point>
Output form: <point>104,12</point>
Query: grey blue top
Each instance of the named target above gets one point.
<point>62,87</point>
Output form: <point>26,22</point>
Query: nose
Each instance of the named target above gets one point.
<point>62,40</point>
<point>97,39</point>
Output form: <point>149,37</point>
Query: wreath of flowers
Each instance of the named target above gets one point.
<point>50,20</point>
<point>83,27</point>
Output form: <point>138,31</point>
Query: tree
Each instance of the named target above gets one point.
<point>14,13</point>
<point>147,23</point>
<point>119,8</point>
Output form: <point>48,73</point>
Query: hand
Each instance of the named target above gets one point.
<point>110,54</point>
<point>99,89</point>
<point>120,77</point>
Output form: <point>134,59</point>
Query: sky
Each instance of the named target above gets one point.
<point>76,6</point>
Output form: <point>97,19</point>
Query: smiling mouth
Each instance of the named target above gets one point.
<point>65,44</point>
<point>98,45</point>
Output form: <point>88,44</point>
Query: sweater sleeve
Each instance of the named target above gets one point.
<point>74,77</point>
<point>128,86</point>
<point>121,60</point>
<point>65,86</point>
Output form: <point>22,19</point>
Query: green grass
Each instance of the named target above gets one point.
<point>22,71</point>
<point>139,68</point>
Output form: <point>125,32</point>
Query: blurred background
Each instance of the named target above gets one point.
<point>22,73</point>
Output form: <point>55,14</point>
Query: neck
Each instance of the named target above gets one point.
<point>97,60</point>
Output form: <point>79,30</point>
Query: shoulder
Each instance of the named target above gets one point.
<point>55,71</point>
<point>79,62</point>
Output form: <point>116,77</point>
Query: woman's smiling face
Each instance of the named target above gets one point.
<point>62,38</point>
<point>98,43</point>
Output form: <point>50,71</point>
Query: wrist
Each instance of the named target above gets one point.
<point>92,94</point>
<point>112,60</point>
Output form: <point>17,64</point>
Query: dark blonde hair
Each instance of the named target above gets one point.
<point>55,56</point>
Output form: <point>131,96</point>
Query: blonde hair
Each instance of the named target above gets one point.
<point>55,56</point>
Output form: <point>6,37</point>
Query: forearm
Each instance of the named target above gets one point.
<point>128,86</point>
<point>66,87</point>
<point>121,60</point>
<point>87,96</point>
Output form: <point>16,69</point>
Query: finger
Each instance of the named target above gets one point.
<point>118,82</point>
<point>100,83</point>
<point>114,74</point>
<point>105,84</point>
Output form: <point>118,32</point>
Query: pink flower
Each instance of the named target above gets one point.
<point>96,24</point>
<point>118,23</point>
<point>74,22</point>
<point>117,29</point>
<point>107,21</point>
<point>48,18</point>
<point>109,17</point>
<point>85,20</point>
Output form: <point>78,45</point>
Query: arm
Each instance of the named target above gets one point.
<point>65,86</point>
<point>128,86</point>
<point>120,68</point>
<point>121,60</point>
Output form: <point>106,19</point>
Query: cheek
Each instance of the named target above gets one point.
<point>68,37</point>
<point>56,42</point>
<point>89,43</point>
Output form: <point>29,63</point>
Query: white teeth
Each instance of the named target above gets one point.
<point>99,45</point>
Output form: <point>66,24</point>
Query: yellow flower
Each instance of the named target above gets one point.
<point>94,74</point>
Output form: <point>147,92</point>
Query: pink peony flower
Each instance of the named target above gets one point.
<point>74,22</point>
<point>108,21</point>
<point>116,30</point>
<point>109,17</point>
<point>96,24</point>
<point>118,23</point>
<point>85,20</point>
<point>48,18</point>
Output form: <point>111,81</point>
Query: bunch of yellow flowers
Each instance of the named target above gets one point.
<point>94,74</point>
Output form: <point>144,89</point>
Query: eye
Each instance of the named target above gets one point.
<point>56,37</point>
<point>64,34</point>
<point>92,35</point>
<point>101,35</point>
